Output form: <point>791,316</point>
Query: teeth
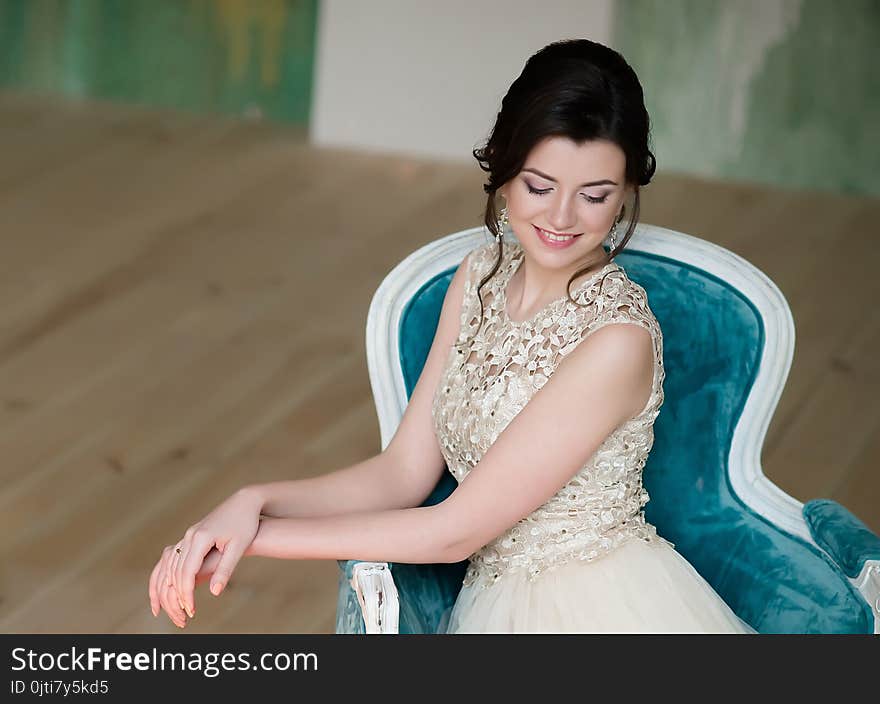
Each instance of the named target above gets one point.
<point>555,238</point>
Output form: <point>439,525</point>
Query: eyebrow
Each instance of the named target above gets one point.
<point>603,182</point>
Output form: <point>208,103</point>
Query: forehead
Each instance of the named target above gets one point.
<point>566,160</point>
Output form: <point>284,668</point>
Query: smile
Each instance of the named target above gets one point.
<point>553,238</point>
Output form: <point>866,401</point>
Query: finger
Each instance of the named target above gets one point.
<point>209,564</point>
<point>175,613</point>
<point>183,547</point>
<point>172,564</point>
<point>171,606</point>
<point>175,579</point>
<point>231,555</point>
<point>162,578</point>
<point>199,547</point>
<point>180,553</point>
<point>167,594</point>
<point>174,557</point>
<point>169,567</point>
<point>153,591</point>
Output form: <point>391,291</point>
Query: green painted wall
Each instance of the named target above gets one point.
<point>227,56</point>
<point>785,92</point>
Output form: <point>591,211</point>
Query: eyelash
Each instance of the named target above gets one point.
<point>543,192</point>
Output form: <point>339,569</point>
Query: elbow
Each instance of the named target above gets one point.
<point>456,545</point>
<point>457,553</point>
<point>451,552</point>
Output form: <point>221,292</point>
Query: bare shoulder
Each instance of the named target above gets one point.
<point>625,339</point>
<point>622,352</point>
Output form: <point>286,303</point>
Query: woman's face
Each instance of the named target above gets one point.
<point>566,189</point>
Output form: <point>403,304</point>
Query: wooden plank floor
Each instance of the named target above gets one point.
<point>183,310</point>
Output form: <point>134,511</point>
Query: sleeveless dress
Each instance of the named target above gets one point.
<point>586,561</point>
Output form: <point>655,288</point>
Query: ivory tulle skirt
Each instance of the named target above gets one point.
<point>637,588</point>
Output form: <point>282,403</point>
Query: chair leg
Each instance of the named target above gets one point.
<point>868,583</point>
<point>377,596</point>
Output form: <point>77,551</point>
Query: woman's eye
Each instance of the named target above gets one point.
<point>544,191</point>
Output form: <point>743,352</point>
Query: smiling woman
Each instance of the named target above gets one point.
<point>558,343</point>
<point>539,395</point>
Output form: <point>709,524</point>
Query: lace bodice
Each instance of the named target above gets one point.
<point>488,381</point>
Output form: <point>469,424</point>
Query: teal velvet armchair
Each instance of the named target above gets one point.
<point>783,566</point>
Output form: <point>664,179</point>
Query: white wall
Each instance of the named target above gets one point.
<point>427,78</point>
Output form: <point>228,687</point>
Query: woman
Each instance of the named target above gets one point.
<point>545,374</point>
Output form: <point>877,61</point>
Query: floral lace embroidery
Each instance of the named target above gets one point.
<point>486,383</point>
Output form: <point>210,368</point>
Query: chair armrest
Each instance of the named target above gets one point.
<point>851,544</point>
<point>843,536</point>
<point>368,600</point>
<point>425,596</point>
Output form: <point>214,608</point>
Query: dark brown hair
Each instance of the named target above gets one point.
<point>574,88</point>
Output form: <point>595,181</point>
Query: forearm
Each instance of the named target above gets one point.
<point>412,535</point>
<point>371,485</point>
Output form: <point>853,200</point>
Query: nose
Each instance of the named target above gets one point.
<point>562,216</point>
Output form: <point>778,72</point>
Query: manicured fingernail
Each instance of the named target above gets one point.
<point>190,612</point>
<point>216,588</point>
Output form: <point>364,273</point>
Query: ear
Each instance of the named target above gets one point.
<point>628,193</point>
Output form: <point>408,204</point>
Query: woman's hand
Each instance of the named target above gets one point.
<point>230,528</point>
<point>162,593</point>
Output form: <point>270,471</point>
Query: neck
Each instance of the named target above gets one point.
<point>532,286</point>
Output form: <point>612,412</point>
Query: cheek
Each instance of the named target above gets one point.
<point>525,207</point>
<point>598,216</point>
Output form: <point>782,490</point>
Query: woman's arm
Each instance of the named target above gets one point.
<point>595,389</point>
<point>411,535</point>
<point>406,472</point>
<point>601,384</point>
<point>349,512</point>
<point>375,484</point>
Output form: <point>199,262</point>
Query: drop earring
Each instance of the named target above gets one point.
<point>612,234</point>
<point>500,225</point>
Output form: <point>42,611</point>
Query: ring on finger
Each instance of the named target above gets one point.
<point>176,566</point>
<point>170,569</point>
